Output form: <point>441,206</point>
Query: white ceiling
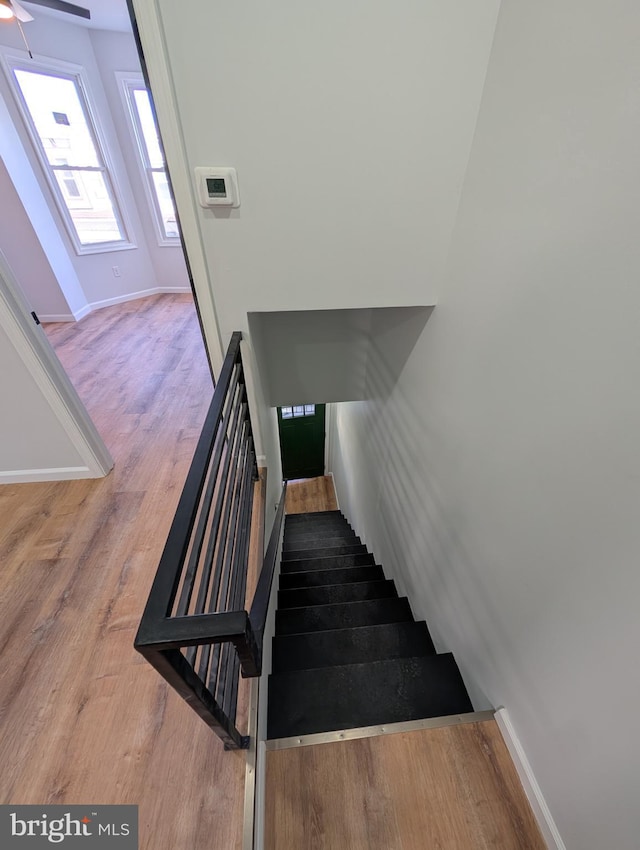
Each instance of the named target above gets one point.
<point>105,14</point>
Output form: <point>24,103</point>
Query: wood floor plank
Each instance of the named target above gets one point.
<point>451,788</point>
<point>84,719</point>
<point>308,495</point>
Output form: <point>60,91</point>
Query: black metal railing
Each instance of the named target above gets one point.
<point>195,629</point>
<point>260,604</point>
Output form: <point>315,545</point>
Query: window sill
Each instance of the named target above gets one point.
<point>104,248</point>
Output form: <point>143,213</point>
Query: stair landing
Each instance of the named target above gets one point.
<point>311,494</point>
<point>453,787</point>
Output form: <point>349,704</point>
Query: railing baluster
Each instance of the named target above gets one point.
<point>230,700</point>
<point>242,549</point>
<point>168,576</point>
<point>225,553</point>
<point>207,587</point>
<point>222,547</point>
<point>198,537</point>
<point>195,616</point>
<point>232,553</point>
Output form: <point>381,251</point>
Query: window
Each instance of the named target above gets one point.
<point>151,158</point>
<point>56,110</point>
<point>297,410</point>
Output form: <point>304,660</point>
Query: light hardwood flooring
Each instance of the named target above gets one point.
<point>451,788</point>
<point>308,495</point>
<point>83,719</point>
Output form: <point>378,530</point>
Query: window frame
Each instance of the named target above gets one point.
<point>17,60</point>
<point>128,83</point>
<point>293,407</point>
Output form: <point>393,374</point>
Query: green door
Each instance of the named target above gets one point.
<point>301,429</point>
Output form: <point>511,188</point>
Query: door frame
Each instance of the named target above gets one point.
<point>30,340</point>
<point>148,31</point>
<point>41,361</point>
<point>290,423</point>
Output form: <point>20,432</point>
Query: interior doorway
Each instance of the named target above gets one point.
<point>301,428</point>
<point>83,160</point>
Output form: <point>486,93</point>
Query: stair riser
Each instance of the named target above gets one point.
<point>300,520</point>
<point>342,616</point>
<point>332,530</point>
<point>332,594</point>
<point>315,533</point>
<point>350,646</point>
<point>316,543</point>
<point>309,564</point>
<point>326,552</point>
<point>308,526</point>
<point>294,518</point>
<point>317,578</point>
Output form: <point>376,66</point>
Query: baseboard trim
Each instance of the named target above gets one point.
<point>530,785</point>
<point>109,302</point>
<point>24,476</point>
<point>57,317</point>
<point>335,492</point>
<point>82,312</point>
<point>134,296</point>
<point>376,731</point>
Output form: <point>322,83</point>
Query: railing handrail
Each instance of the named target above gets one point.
<point>262,595</point>
<point>214,509</point>
<point>202,638</point>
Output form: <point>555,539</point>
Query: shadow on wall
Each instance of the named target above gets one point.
<point>386,460</point>
<point>315,356</point>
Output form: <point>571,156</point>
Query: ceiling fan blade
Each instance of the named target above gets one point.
<point>63,6</point>
<point>21,14</point>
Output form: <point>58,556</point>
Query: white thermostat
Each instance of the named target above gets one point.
<point>217,187</point>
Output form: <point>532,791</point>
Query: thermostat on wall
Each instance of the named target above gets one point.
<point>217,187</point>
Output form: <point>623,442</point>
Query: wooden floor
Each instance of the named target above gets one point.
<point>451,788</point>
<point>308,495</point>
<point>83,718</point>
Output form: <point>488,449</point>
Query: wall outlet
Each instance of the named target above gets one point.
<point>116,271</point>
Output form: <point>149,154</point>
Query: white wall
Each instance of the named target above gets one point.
<point>311,356</point>
<point>54,39</point>
<point>499,478</point>
<point>315,356</point>
<point>349,126</point>
<point>116,51</point>
<point>20,245</point>
<point>46,431</point>
<point>32,436</point>
<point>67,293</point>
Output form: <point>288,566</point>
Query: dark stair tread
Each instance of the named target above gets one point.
<point>332,593</point>
<point>337,575</point>
<point>302,702</point>
<point>303,539</point>
<point>294,519</point>
<point>351,646</point>
<point>325,552</point>
<point>319,533</point>
<point>315,530</point>
<point>316,543</point>
<point>313,521</point>
<point>336,561</point>
<point>342,615</point>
